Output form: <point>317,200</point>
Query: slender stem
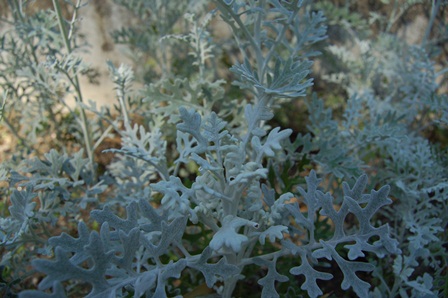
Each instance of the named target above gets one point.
<point>182,248</point>
<point>269,256</point>
<point>122,100</point>
<point>230,283</point>
<point>58,11</point>
<point>2,109</point>
<point>76,85</point>
<point>209,221</point>
<point>260,105</point>
<point>393,17</point>
<point>261,61</point>
<point>74,18</point>
<point>241,27</point>
<point>437,74</point>
<point>279,37</point>
<point>103,136</point>
<point>434,9</point>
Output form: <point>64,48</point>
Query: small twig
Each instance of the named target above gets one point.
<point>76,85</point>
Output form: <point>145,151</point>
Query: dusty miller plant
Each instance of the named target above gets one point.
<point>396,96</point>
<point>226,202</point>
<point>40,67</point>
<point>40,71</point>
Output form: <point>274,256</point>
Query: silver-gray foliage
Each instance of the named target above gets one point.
<point>202,181</point>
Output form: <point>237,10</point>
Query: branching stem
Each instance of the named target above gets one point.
<point>75,83</point>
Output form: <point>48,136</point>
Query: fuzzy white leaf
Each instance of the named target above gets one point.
<point>274,232</point>
<point>228,237</point>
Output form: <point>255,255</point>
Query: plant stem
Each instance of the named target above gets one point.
<point>241,27</point>
<point>434,9</point>
<point>76,85</point>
